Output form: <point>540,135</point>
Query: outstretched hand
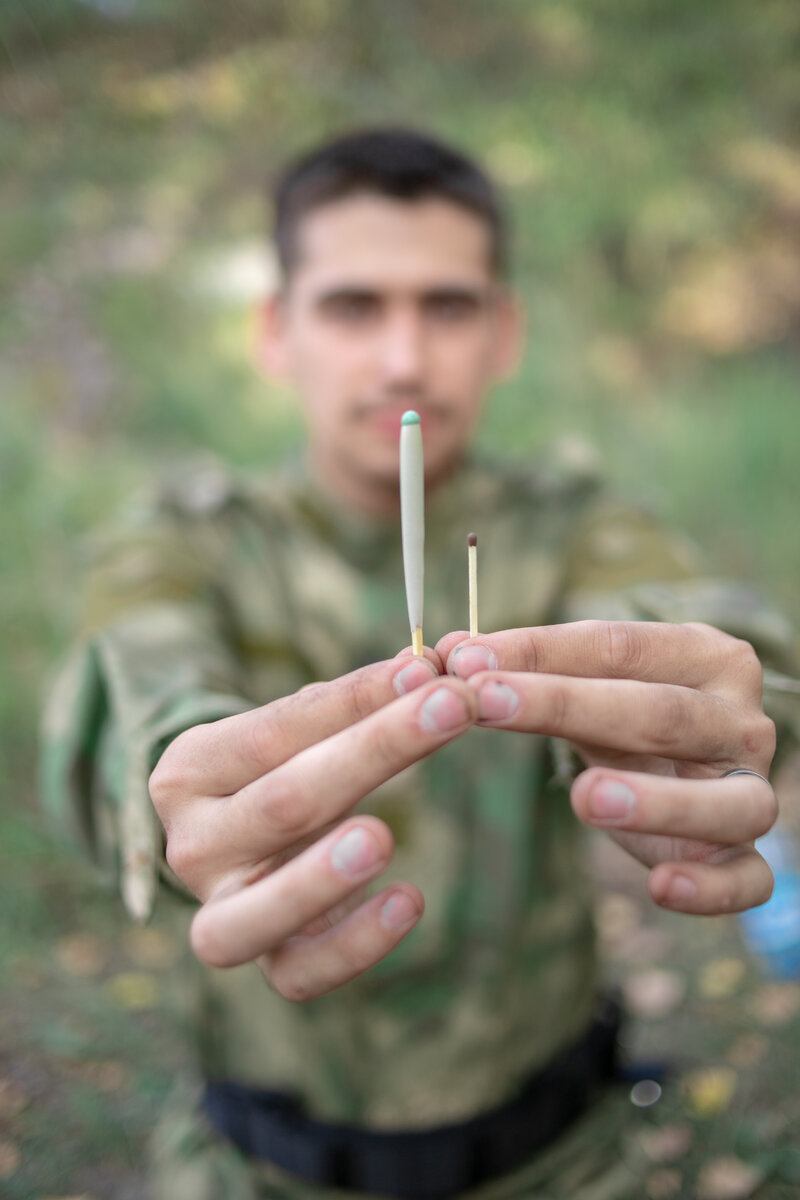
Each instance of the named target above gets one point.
<point>257,811</point>
<point>258,808</point>
<point>659,713</point>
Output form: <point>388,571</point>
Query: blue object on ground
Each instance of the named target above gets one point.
<point>772,931</point>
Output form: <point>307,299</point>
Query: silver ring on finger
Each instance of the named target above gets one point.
<point>746,771</point>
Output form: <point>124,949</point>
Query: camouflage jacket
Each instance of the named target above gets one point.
<point>223,594</point>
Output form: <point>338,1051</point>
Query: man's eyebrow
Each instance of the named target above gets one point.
<point>347,291</point>
<point>479,294</point>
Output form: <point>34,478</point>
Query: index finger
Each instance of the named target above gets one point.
<point>691,655</point>
<point>220,758</point>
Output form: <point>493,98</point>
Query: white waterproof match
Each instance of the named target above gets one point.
<point>412,521</point>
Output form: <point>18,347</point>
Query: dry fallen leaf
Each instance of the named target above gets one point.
<point>149,947</point>
<point>664,1183</point>
<point>729,299</point>
<point>12,1099</point>
<point>776,1003</point>
<point>133,990</point>
<point>109,1076</point>
<point>10,1159</point>
<point>728,1179</point>
<point>710,1090</point>
<point>721,977</point>
<point>647,944</point>
<point>774,166</point>
<point>105,1075</point>
<point>654,993</point>
<point>82,1196</point>
<point>665,1143</point>
<point>82,954</point>
<point>27,974</point>
<point>748,1050</point>
<point>617,916</point>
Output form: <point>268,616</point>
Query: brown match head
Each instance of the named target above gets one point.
<point>472,539</point>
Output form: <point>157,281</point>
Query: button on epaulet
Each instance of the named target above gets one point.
<point>555,481</point>
<point>200,491</point>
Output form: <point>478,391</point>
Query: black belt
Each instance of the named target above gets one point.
<point>428,1164</point>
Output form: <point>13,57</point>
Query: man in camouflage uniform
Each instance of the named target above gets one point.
<point>280,799</point>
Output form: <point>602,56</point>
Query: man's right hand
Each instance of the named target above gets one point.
<point>257,813</point>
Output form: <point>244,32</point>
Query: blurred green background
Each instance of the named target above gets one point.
<point>650,152</point>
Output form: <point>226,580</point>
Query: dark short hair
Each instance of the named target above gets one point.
<point>400,163</point>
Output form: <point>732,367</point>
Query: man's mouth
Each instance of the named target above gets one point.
<point>387,419</point>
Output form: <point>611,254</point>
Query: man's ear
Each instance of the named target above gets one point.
<point>270,349</point>
<point>509,339</point>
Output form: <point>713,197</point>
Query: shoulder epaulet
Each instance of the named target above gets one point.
<point>198,488</point>
<point>567,469</point>
<point>275,491</point>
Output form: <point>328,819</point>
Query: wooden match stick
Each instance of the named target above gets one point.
<point>472,556</point>
<point>412,521</point>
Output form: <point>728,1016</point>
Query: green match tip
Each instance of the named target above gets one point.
<point>410,418</point>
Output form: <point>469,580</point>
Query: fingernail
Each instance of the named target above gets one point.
<point>413,676</point>
<point>443,710</point>
<point>468,660</point>
<point>354,852</point>
<point>681,889</point>
<point>610,801</point>
<point>399,912</point>
<point>497,701</point>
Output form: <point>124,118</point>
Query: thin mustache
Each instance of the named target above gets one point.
<point>369,408</point>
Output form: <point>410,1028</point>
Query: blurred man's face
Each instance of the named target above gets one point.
<point>390,306</point>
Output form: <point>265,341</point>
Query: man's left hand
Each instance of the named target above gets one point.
<point>659,713</point>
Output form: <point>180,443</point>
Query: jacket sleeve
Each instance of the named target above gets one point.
<point>155,657</point>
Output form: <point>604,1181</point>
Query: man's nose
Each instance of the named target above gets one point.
<point>403,348</point>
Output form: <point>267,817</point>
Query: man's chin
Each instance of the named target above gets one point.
<point>383,476</point>
<point>382,470</point>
